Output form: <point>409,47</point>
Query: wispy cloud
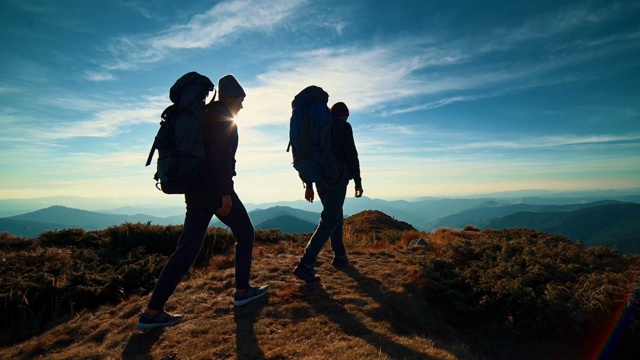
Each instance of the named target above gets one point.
<point>77,118</point>
<point>98,76</point>
<point>225,19</point>
<point>365,78</point>
<point>549,142</point>
<point>105,123</point>
<point>556,25</point>
<point>413,74</point>
<point>5,90</point>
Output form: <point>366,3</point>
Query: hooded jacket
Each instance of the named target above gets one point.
<point>218,165</point>
<point>344,149</point>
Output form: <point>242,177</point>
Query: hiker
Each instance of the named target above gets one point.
<point>332,194</point>
<point>214,195</point>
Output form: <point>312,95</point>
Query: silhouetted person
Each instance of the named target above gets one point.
<point>332,194</point>
<point>214,195</point>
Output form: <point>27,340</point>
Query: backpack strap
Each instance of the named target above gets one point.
<point>164,116</point>
<point>153,150</point>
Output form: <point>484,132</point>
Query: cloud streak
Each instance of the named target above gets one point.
<point>411,74</point>
<point>224,20</point>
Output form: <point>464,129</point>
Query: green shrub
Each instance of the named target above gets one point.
<point>529,282</point>
<point>68,270</point>
<point>9,242</point>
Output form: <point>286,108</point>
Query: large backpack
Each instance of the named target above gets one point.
<point>180,140</point>
<point>310,132</point>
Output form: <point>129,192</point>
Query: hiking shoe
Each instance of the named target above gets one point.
<point>162,319</point>
<point>341,262</point>
<point>306,273</point>
<point>252,293</point>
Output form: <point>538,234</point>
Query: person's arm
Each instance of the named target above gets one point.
<point>308,192</point>
<point>351,155</point>
<point>227,204</point>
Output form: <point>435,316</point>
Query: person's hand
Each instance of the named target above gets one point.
<point>359,192</point>
<point>309,194</point>
<point>225,209</point>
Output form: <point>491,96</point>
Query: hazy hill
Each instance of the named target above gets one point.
<point>286,219</point>
<point>261,215</point>
<point>157,211</point>
<point>490,210</point>
<point>287,224</point>
<point>433,213</point>
<point>418,212</point>
<point>64,217</point>
<point>26,228</point>
<point>31,224</point>
<point>606,225</point>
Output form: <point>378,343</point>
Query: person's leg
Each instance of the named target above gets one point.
<point>340,258</point>
<point>337,241</point>
<point>332,196</point>
<point>193,232</point>
<point>240,224</point>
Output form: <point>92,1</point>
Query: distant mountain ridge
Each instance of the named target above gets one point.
<point>259,216</point>
<point>57,217</point>
<point>418,212</point>
<point>607,222</point>
<point>60,217</point>
<point>616,224</point>
<point>288,224</point>
<point>492,210</point>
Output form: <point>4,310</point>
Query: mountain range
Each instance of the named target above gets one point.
<point>613,224</point>
<point>30,225</point>
<point>598,219</point>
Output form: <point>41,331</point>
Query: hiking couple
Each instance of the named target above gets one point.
<point>214,194</point>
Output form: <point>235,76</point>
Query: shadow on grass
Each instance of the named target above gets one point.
<point>404,313</point>
<point>140,344</point>
<point>407,313</point>
<point>326,305</point>
<point>247,346</point>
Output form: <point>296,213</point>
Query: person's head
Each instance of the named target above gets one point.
<point>340,111</point>
<point>230,92</point>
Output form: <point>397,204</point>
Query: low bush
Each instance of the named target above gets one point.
<point>526,282</point>
<point>9,242</point>
<point>69,270</point>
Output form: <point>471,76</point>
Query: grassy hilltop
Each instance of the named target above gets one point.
<point>469,294</point>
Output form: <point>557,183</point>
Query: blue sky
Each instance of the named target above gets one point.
<point>446,97</point>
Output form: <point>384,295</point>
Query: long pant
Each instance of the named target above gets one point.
<point>195,227</point>
<point>332,194</point>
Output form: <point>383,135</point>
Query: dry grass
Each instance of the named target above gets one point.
<point>363,313</point>
<point>375,310</point>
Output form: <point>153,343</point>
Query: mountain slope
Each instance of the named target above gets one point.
<point>59,217</point>
<point>287,224</point>
<point>261,215</point>
<point>375,221</point>
<point>354,312</point>
<point>491,210</point>
<point>26,228</point>
<point>384,307</point>
<point>607,225</point>
<point>30,225</point>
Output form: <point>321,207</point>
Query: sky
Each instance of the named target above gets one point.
<point>447,98</point>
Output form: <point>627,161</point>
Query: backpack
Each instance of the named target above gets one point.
<point>180,139</point>
<point>310,134</point>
